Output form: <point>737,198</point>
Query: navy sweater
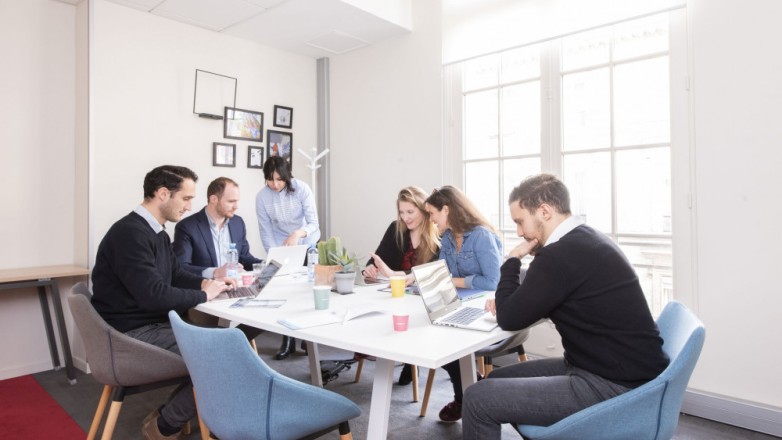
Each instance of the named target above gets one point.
<point>586,286</point>
<point>137,279</point>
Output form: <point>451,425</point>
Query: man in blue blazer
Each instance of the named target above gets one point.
<point>201,240</point>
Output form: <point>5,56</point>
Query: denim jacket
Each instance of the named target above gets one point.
<point>479,260</point>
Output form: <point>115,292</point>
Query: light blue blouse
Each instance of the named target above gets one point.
<point>281,213</point>
<point>479,260</point>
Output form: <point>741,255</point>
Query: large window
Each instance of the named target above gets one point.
<point>594,108</point>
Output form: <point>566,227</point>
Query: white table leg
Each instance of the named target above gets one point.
<point>314,358</point>
<point>380,407</point>
<point>467,366</point>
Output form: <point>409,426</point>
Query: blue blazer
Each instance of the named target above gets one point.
<point>195,249</point>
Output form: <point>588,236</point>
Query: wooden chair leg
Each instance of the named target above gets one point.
<point>523,357</point>
<point>358,369</point>
<point>254,346</point>
<point>344,431</point>
<point>427,391</point>
<point>111,420</point>
<point>488,368</point>
<point>205,435</point>
<point>481,365</point>
<point>186,429</point>
<point>104,399</point>
<point>414,368</point>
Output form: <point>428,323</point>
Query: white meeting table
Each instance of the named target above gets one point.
<point>423,344</point>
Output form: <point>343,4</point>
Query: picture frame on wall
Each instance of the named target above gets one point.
<point>254,157</point>
<point>283,116</point>
<point>280,143</point>
<point>223,155</point>
<point>243,124</point>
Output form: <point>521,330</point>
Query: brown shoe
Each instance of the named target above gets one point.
<point>150,431</point>
<point>451,412</point>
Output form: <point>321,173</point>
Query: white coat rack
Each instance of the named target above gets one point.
<point>313,166</point>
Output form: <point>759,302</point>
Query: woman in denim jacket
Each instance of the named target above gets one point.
<point>473,252</point>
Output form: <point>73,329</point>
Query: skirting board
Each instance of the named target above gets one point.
<point>733,412</point>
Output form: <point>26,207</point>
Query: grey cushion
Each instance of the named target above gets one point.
<point>115,358</point>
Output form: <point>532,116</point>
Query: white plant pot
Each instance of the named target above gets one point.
<point>344,281</point>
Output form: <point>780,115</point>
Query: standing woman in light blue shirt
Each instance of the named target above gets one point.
<point>285,208</point>
<point>286,217</point>
<point>473,252</point>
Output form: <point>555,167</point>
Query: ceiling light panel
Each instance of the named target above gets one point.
<point>210,14</point>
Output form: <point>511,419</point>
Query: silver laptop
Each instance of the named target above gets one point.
<point>291,257</point>
<point>442,302</point>
<point>251,291</point>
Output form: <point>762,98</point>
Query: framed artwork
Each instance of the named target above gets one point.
<point>223,155</point>
<point>280,143</point>
<point>243,124</point>
<point>254,157</point>
<point>283,116</point>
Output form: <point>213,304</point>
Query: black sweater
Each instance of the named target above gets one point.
<point>586,286</point>
<point>390,251</point>
<point>137,279</point>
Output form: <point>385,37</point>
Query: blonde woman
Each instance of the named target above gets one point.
<point>410,240</point>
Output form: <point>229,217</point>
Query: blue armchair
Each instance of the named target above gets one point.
<point>240,397</point>
<point>650,411</point>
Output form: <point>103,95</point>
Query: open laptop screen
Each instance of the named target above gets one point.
<point>266,275</point>
<point>435,284</point>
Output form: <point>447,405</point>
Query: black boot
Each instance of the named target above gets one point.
<point>286,349</point>
<point>406,376</point>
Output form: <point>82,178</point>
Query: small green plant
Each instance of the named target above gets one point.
<point>331,253</point>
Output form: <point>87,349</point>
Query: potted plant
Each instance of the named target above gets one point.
<point>346,275</point>
<point>327,263</point>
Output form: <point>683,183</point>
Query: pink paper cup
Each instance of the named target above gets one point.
<point>400,322</point>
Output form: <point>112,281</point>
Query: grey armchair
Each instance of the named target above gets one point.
<point>124,365</point>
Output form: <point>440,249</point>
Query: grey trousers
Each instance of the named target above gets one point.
<point>538,392</point>
<point>181,406</point>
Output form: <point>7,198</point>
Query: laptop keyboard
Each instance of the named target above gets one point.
<point>464,316</point>
<point>239,292</point>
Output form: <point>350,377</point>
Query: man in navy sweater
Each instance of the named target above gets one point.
<point>137,280</point>
<point>583,282</point>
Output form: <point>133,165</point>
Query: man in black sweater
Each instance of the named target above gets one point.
<point>137,280</point>
<point>583,282</point>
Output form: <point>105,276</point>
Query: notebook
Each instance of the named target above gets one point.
<point>361,281</point>
<point>291,257</point>
<point>468,294</point>
<point>255,288</point>
<point>443,303</point>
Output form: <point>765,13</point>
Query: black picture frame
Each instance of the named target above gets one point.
<point>283,116</point>
<point>254,157</point>
<point>243,124</point>
<point>223,155</point>
<point>280,143</point>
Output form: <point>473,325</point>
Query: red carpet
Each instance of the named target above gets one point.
<point>28,412</point>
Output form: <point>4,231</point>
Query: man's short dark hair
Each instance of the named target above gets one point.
<point>166,176</point>
<point>280,166</point>
<point>537,190</point>
<point>217,187</point>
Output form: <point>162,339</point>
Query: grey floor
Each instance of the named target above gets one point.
<point>80,401</point>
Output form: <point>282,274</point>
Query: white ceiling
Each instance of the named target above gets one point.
<point>315,28</point>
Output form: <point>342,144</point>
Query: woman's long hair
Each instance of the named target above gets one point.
<point>430,242</point>
<point>463,215</point>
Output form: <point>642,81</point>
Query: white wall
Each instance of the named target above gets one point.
<point>142,80</point>
<point>386,114</point>
<point>37,49</point>
<point>736,71</point>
